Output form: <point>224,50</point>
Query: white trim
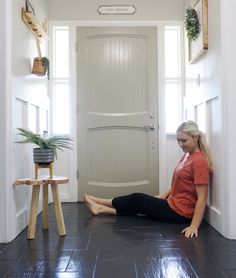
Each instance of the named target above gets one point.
<point>3,49</point>
<point>118,185</point>
<point>76,23</point>
<point>6,202</point>
<point>228,43</point>
<point>72,195</point>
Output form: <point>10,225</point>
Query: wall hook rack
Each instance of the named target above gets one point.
<point>33,24</point>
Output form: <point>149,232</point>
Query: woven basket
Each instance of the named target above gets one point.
<point>38,67</point>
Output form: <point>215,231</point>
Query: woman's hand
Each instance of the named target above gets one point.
<point>164,195</point>
<point>190,232</point>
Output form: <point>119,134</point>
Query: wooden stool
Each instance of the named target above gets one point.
<point>44,181</point>
<point>38,166</point>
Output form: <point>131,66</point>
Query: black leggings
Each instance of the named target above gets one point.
<point>154,208</point>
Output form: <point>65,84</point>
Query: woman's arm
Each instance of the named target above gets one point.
<point>164,195</point>
<point>192,230</point>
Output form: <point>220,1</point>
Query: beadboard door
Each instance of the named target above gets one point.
<point>117,110</point>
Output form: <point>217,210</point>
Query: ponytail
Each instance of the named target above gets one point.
<point>202,142</point>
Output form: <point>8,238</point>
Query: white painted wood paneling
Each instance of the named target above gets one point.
<point>109,148</point>
<point>215,140</point>
<point>203,103</point>
<point>112,63</point>
<point>32,118</point>
<point>215,210</point>
<point>43,120</point>
<point>228,46</point>
<point>5,111</point>
<point>25,95</point>
<point>25,115</point>
<point>200,116</point>
<point>62,167</point>
<point>21,194</point>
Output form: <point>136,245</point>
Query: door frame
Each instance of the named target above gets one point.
<point>160,25</point>
<point>162,144</point>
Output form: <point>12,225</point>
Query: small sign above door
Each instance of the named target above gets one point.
<point>116,10</point>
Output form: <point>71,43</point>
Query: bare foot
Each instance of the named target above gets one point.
<point>100,201</point>
<point>94,207</point>
<point>88,197</point>
<point>85,197</point>
<point>92,198</point>
<point>97,208</point>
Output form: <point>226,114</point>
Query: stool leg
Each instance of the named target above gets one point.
<point>45,206</point>
<point>33,212</point>
<point>51,170</point>
<point>58,210</point>
<point>36,168</point>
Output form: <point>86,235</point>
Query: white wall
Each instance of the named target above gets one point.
<point>87,10</point>
<point>5,33</point>
<point>30,106</point>
<point>210,95</point>
<point>228,44</point>
<point>25,100</point>
<point>203,103</point>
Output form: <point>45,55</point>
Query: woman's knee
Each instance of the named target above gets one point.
<point>137,196</point>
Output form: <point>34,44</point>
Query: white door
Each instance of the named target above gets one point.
<point>117,110</point>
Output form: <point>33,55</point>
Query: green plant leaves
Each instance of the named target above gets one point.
<point>55,142</point>
<point>192,24</point>
<point>46,64</point>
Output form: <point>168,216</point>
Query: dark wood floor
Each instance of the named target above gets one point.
<point>114,247</point>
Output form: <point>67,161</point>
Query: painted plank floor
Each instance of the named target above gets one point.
<point>108,246</point>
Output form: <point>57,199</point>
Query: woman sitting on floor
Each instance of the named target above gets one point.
<point>186,199</point>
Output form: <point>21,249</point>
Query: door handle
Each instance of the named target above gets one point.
<point>149,127</point>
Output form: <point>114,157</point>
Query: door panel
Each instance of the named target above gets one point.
<point>117,100</point>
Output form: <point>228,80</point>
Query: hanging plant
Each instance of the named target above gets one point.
<point>46,65</point>
<point>192,24</point>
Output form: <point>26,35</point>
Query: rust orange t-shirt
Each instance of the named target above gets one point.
<point>191,170</point>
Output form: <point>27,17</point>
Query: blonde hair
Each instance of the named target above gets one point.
<point>191,128</point>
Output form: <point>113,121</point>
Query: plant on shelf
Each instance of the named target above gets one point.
<point>46,65</point>
<point>41,66</point>
<point>47,147</point>
<point>192,25</point>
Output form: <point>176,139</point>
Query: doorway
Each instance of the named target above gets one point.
<point>117,110</point>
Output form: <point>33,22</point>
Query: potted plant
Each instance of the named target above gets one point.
<point>46,64</point>
<point>192,24</point>
<point>47,147</point>
<point>41,66</point>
